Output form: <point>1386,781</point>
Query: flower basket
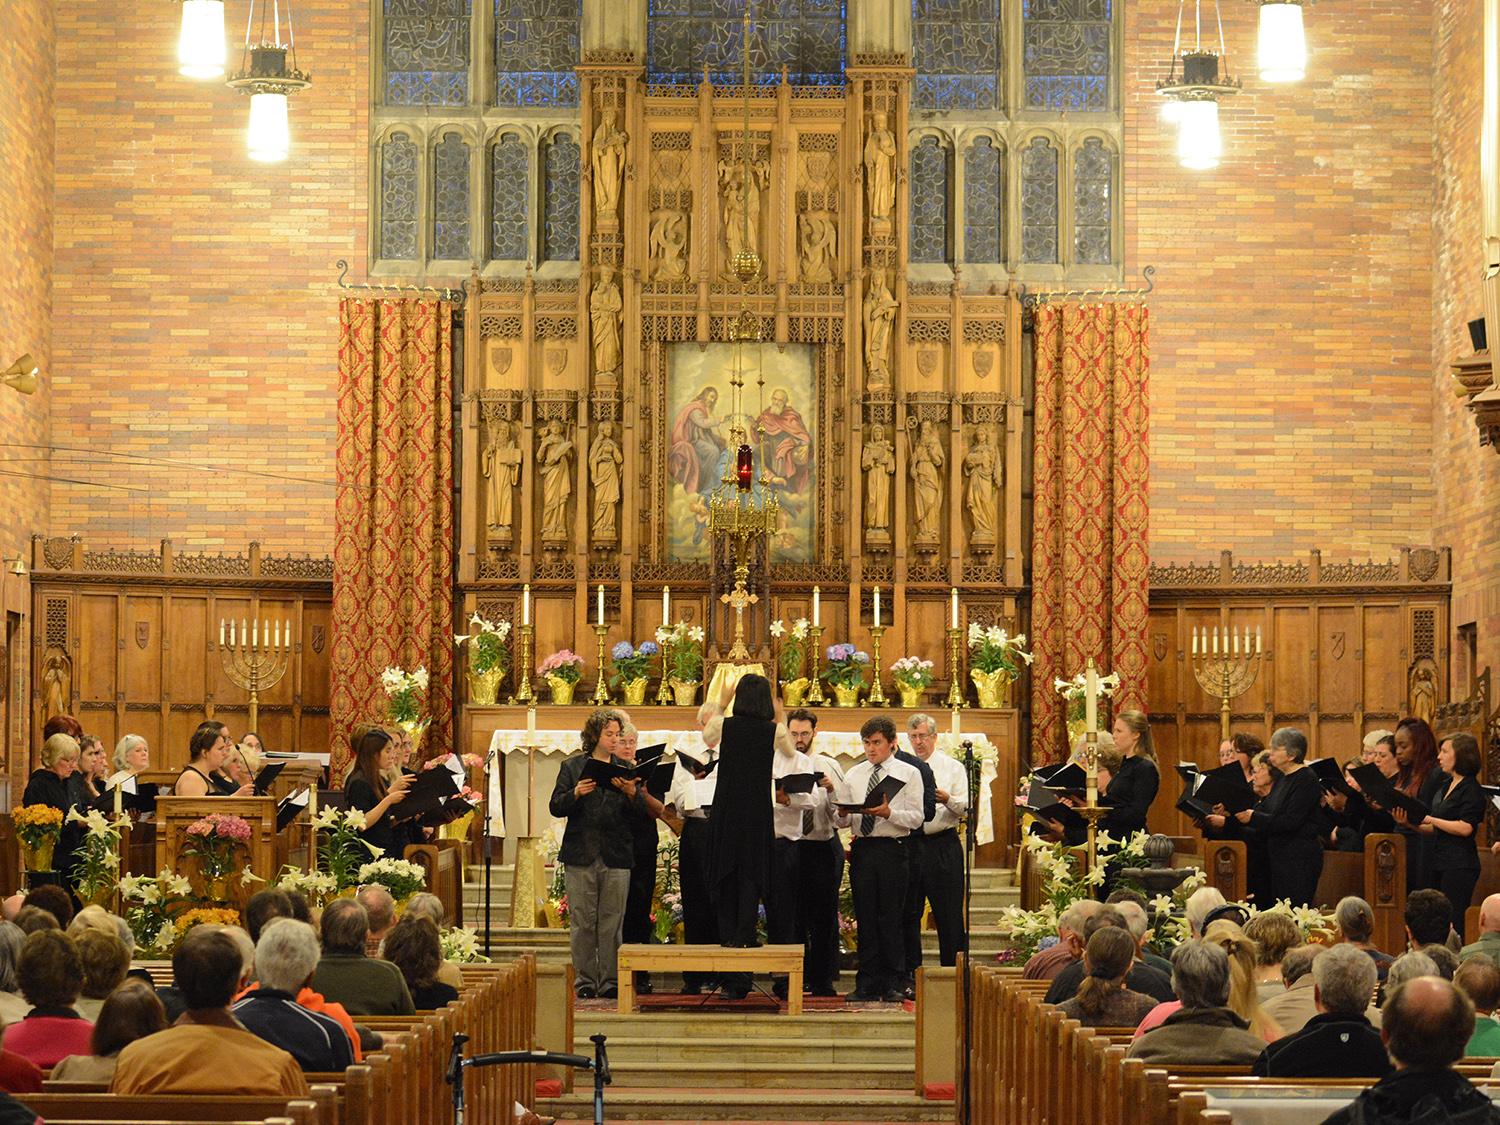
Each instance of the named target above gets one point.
<point>685,693</point>
<point>562,690</point>
<point>489,658</point>
<point>911,698</point>
<point>794,692</point>
<point>37,829</point>
<point>402,878</point>
<point>993,687</point>
<point>846,694</point>
<point>39,858</point>
<point>635,691</point>
<point>484,687</point>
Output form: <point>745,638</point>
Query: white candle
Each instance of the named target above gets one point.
<point>1257,640</point>
<point>119,801</point>
<point>1247,640</point>
<point>877,607</point>
<point>221,632</point>
<point>1090,697</point>
<point>817,606</point>
<point>956,731</point>
<point>1234,639</point>
<point>255,633</point>
<point>286,632</point>
<point>1215,632</point>
<point>244,631</point>
<point>526,604</point>
<point>231,634</point>
<point>276,634</point>
<point>953,623</point>
<point>1195,640</point>
<point>600,606</point>
<point>666,606</point>
<point>531,725</point>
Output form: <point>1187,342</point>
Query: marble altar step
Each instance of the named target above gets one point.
<point>782,1107</point>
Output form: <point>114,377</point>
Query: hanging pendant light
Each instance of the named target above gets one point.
<point>1196,90</point>
<point>1283,42</point>
<point>200,43</point>
<point>269,74</point>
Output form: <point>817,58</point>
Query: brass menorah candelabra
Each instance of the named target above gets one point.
<point>254,655</point>
<point>1225,665</point>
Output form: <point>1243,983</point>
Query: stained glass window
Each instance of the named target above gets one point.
<point>929,202</point>
<point>509,183</point>
<point>1039,202</point>
<point>1093,191</point>
<point>805,36</point>
<point>956,50</point>
<point>1066,54</point>
<point>398,198</point>
<point>984,199</point>
<point>560,200</point>
<point>450,199</point>
<point>427,52</point>
<point>536,51</point>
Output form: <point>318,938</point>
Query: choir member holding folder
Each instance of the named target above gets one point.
<point>1288,820</point>
<point>209,746</point>
<point>365,789</point>
<point>1453,824</point>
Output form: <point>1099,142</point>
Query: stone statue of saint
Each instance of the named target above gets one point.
<point>554,454</point>
<point>926,468</point>
<point>879,464</point>
<point>608,155</point>
<point>880,169</point>
<point>605,459</point>
<point>820,235</point>
<point>880,316</point>
<point>57,681</point>
<point>501,466</point>
<point>982,488</point>
<point>668,245</point>
<point>604,315</point>
<point>740,207</point>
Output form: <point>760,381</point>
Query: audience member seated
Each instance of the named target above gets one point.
<point>1139,925</point>
<point>286,956</point>
<point>132,1012</point>
<point>363,985</point>
<point>1045,964</point>
<point>1243,998</point>
<point>207,1051</point>
<point>1274,934</point>
<point>1427,1024</point>
<point>380,909</point>
<point>1141,978</point>
<point>1204,1032</point>
<point>425,905</point>
<point>414,947</point>
<point>1199,905</point>
<point>1103,1000</point>
<point>55,901</point>
<point>1294,1007</point>
<point>1429,918</point>
<point>1356,922</point>
<point>1478,978</point>
<point>91,917</point>
<point>1489,931</point>
<point>13,1006</point>
<point>1409,966</point>
<point>31,919</point>
<point>105,961</point>
<point>300,908</point>
<point>13,1112</point>
<point>19,1075</point>
<point>1444,958</point>
<point>1339,1041</point>
<point>262,906</point>
<point>51,976</point>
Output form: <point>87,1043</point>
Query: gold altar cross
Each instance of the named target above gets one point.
<point>739,598</point>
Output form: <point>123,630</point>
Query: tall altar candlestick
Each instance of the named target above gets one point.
<point>1090,697</point>
<point>666,606</point>
<point>953,623</point>
<point>531,725</point>
<point>877,607</point>
<point>526,604</point>
<point>119,798</point>
<point>817,606</point>
<point>599,620</point>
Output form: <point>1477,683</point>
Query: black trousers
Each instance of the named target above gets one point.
<point>781,899</point>
<point>700,922</point>
<point>638,901</point>
<point>819,870</point>
<point>1296,867</point>
<point>937,877</point>
<point>1457,884</point>
<point>878,874</point>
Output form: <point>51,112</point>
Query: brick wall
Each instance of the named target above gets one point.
<point>1291,345</point>
<point>26,92</point>
<point>195,309</point>
<point>1467,477</point>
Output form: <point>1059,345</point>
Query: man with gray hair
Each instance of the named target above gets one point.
<point>286,957</point>
<point>937,854</point>
<point>1338,1042</point>
<point>363,985</point>
<point>1070,940</point>
<point>380,909</point>
<point>1356,922</point>
<point>1204,1031</point>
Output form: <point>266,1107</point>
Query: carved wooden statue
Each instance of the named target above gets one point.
<point>880,317</point>
<point>740,207</point>
<point>982,478</point>
<point>605,459</point>
<point>554,453</point>
<point>926,469</point>
<point>604,315</point>
<point>501,467</point>
<point>880,169</point>
<point>819,235</point>
<point>57,681</point>
<point>668,245</point>
<point>608,155</point>
<point>879,464</point>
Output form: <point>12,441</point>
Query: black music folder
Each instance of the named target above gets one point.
<point>698,767</point>
<point>290,807</point>
<point>266,776</point>
<point>1378,790</point>
<point>603,773</point>
<point>429,793</point>
<point>883,792</point>
<point>1331,776</point>
<point>797,782</point>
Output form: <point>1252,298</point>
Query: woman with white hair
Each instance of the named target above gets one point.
<point>132,753</point>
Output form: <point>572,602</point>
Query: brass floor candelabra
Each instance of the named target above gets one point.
<point>815,642</point>
<point>955,668</point>
<point>1225,667</point>
<point>523,668</point>
<point>601,689</point>
<point>877,695</point>
<point>255,663</point>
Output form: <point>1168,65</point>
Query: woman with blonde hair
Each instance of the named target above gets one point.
<point>1134,787</point>
<point>1244,999</point>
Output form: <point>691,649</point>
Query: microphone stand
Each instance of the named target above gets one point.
<point>489,846</point>
<point>971,841</point>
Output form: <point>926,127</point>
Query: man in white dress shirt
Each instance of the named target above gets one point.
<point>820,863</point>
<point>700,925</point>
<point>878,871</point>
<point>786,823</point>
<point>938,859</point>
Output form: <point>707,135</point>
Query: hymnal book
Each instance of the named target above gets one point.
<point>266,776</point>
<point>603,773</point>
<point>661,779</point>
<point>1042,801</point>
<point>1192,807</point>
<point>1378,790</point>
<point>290,807</point>
<point>888,788</point>
<point>428,793</point>
<point>1331,776</point>
<point>698,767</point>
<point>796,782</point>
<point>1225,786</point>
<point>1189,773</point>
<point>703,790</point>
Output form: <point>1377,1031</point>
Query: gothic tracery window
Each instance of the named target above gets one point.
<point>984,196</point>
<point>560,199</point>
<point>807,37</point>
<point>426,52</point>
<point>929,202</point>
<point>450,195</point>
<point>398,198</point>
<point>1067,49</point>
<point>955,46</point>
<point>1093,213</point>
<point>536,51</point>
<point>1039,202</point>
<point>510,176</point>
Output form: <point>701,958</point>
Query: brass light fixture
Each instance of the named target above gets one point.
<point>269,74</point>
<point>1282,55</point>
<point>200,43</point>
<point>17,566</point>
<point>1193,92</point>
<point>22,375</point>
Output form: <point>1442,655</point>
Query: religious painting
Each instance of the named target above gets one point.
<point>778,412</point>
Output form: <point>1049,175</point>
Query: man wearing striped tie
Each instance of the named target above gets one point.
<point>878,860</point>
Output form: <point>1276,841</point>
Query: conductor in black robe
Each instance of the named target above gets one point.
<point>741,830</point>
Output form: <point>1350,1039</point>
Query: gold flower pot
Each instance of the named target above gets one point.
<point>635,691</point>
<point>911,697</point>
<point>484,687</point>
<point>39,858</point>
<point>416,728</point>
<point>685,692</point>
<point>562,690</point>
<point>794,692</point>
<point>993,687</point>
<point>847,696</point>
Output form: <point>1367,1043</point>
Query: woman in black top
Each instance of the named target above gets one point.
<point>49,786</point>
<point>414,947</point>
<point>365,789</point>
<point>740,830</point>
<point>1458,809</point>
<point>87,781</point>
<point>1132,790</point>
<point>1288,820</point>
<point>206,752</point>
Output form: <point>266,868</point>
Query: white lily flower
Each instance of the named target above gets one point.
<point>460,638</point>
<point>778,630</point>
<point>355,819</point>
<point>328,817</point>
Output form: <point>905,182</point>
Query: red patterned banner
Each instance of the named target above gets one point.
<point>393,534</point>
<point>1089,511</point>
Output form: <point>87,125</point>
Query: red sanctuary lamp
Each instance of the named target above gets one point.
<point>744,469</point>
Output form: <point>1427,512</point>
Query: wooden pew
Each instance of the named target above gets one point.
<point>320,1109</point>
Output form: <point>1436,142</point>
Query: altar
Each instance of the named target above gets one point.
<point>503,729</point>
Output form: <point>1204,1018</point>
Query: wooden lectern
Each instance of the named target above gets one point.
<point>174,814</point>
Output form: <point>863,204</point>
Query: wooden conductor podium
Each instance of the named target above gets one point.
<point>174,814</point>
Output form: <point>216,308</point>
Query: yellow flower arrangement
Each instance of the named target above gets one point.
<point>37,824</point>
<point>219,915</point>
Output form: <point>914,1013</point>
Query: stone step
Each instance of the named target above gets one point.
<point>773,1075</point>
<point>711,1051</point>
<point>815,1103</point>
<point>884,1026</point>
